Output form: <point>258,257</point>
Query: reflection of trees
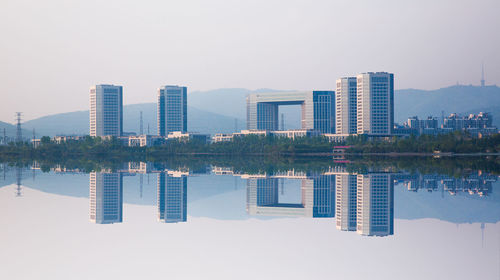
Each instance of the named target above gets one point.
<point>451,166</point>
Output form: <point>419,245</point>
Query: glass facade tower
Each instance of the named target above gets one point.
<point>106,110</point>
<point>172,109</point>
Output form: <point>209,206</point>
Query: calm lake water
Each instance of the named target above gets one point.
<point>144,220</point>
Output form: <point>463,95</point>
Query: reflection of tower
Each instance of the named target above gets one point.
<point>324,196</point>
<point>19,133</point>
<point>106,198</point>
<point>19,174</point>
<point>375,213</point>
<point>346,196</point>
<point>172,198</point>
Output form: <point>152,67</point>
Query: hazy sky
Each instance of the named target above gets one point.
<point>51,52</point>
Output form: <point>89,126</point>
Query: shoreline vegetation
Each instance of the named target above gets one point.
<point>453,144</point>
<point>453,166</point>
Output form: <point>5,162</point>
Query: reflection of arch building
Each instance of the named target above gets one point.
<point>318,197</point>
<point>318,109</point>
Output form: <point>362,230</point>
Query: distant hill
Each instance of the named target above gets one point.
<point>78,122</point>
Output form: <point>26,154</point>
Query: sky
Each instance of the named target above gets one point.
<point>52,51</point>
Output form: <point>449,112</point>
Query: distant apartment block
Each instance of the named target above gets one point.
<point>106,110</point>
<point>172,109</point>
<point>346,106</point>
<point>472,121</point>
<point>375,103</point>
<point>318,110</point>
<point>106,197</point>
<point>476,125</point>
<point>417,124</point>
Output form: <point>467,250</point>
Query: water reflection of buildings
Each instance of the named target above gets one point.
<point>172,197</point>
<point>106,197</point>
<point>473,184</point>
<point>346,201</point>
<point>375,207</point>
<point>365,203</point>
<point>362,202</point>
<point>318,197</point>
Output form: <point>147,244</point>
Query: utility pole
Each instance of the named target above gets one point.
<point>19,134</point>
<point>282,121</point>
<point>141,129</point>
<point>148,128</point>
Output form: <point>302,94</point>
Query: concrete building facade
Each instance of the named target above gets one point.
<point>375,103</point>
<point>318,110</point>
<point>346,106</point>
<point>106,110</point>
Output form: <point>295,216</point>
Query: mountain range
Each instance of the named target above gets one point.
<point>224,110</point>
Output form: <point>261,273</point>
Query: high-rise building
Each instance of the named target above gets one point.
<point>346,106</point>
<point>172,109</point>
<point>106,110</point>
<point>318,110</point>
<point>375,103</point>
<point>172,198</point>
<point>375,207</point>
<point>106,198</point>
<point>346,201</point>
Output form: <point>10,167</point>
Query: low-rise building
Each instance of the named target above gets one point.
<point>145,140</point>
<point>222,137</point>
<point>179,135</point>
<point>295,133</point>
<point>337,138</point>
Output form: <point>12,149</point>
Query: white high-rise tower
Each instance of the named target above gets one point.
<point>375,103</point>
<point>346,106</point>
<point>106,110</point>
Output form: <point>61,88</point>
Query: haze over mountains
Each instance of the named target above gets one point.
<point>224,110</point>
